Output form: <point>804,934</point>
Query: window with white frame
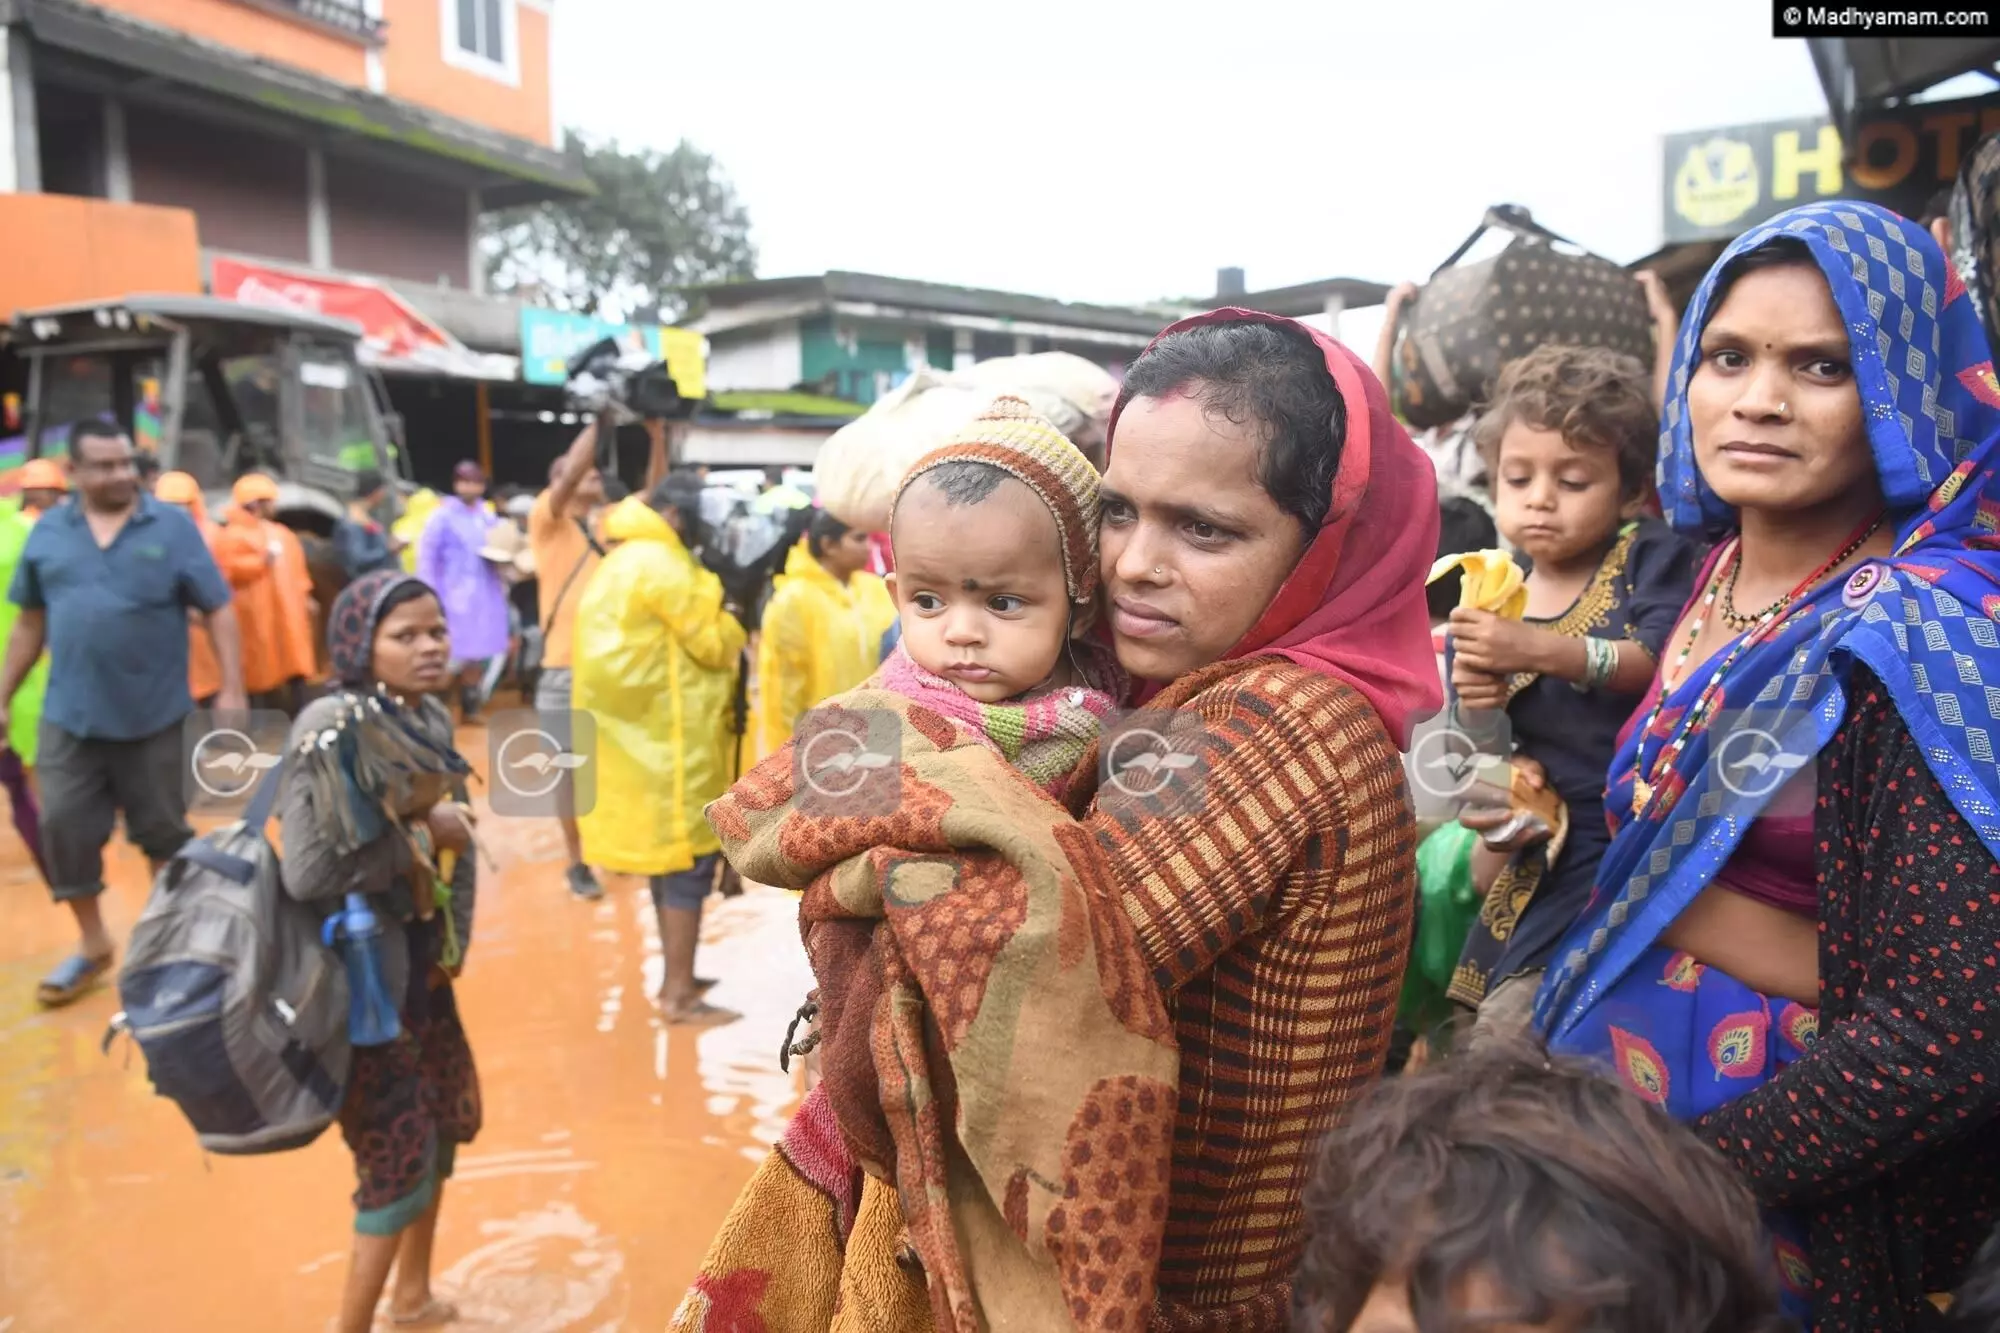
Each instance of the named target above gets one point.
<point>480,35</point>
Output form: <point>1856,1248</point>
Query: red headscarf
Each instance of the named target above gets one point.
<point>1353,607</point>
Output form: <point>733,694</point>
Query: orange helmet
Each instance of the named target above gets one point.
<point>43,474</point>
<point>252,487</point>
<point>177,488</point>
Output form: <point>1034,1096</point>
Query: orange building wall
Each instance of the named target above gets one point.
<point>281,39</point>
<point>412,59</point>
<point>87,249</point>
<point>417,72</point>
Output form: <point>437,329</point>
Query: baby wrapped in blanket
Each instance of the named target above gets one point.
<point>999,1071</point>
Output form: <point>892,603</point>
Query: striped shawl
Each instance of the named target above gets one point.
<point>1277,918</point>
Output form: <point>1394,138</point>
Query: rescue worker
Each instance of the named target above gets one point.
<point>822,629</point>
<point>44,485</point>
<point>241,556</point>
<point>654,657</point>
<point>405,532</point>
<point>277,614</point>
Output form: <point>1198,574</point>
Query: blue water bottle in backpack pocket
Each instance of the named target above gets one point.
<point>371,1012</point>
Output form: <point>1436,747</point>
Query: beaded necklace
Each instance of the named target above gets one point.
<point>1646,782</point>
<point>1741,620</point>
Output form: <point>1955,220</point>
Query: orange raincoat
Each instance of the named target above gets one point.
<point>241,560</point>
<point>275,613</point>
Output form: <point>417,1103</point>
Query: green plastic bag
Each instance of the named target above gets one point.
<point>1448,904</point>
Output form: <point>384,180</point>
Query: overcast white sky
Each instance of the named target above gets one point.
<point>1123,152</point>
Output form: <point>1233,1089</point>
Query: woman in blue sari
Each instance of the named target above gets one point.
<point>1795,940</point>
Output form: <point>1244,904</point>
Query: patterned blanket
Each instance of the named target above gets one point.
<point>994,1043</point>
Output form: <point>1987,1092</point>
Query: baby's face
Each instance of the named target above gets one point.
<point>980,588</point>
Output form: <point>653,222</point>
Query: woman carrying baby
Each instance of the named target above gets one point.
<point>1209,939</point>
<point>1267,530</point>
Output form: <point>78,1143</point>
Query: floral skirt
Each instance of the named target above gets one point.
<point>409,1105</point>
<point>1689,1038</point>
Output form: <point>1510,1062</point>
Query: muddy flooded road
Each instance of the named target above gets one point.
<point>612,1145</point>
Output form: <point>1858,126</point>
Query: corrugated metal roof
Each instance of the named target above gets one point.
<point>913,294</point>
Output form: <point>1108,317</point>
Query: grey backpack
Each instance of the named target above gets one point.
<point>239,1009</point>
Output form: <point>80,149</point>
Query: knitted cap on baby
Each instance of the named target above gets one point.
<point>1010,436</point>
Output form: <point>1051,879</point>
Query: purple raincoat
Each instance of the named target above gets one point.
<point>474,596</point>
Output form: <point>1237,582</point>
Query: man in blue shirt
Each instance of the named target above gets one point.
<point>359,539</point>
<point>106,583</point>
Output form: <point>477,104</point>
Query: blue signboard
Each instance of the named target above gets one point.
<point>549,338</point>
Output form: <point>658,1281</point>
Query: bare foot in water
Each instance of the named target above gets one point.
<point>430,1314</point>
<point>699,1013</point>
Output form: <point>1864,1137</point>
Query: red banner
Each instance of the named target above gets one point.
<point>390,328</point>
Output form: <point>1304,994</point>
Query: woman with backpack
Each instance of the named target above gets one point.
<point>374,806</point>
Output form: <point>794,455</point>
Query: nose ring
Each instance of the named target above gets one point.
<point>1158,570</point>
<point>1784,409</point>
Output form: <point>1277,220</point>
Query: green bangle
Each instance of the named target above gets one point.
<point>1600,663</point>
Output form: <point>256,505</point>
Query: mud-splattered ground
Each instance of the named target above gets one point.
<point>612,1147</point>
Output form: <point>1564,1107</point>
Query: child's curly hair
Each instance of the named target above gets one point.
<point>1569,1196</point>
<point>1594,398</point>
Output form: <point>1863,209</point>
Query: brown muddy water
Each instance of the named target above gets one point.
<point>612,1144</point>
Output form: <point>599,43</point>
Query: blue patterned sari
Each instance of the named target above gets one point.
<point>1924,621</point>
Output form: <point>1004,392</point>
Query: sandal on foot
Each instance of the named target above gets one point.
<point>429,1315</point>
<point>73,976</point>
<point>583,885</point>
<point>700,1014</point>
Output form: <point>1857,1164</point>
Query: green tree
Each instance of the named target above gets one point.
<point>659,224</point>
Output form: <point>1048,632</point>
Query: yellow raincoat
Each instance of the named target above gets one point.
<point>654,656</point>
<point>819,638</point>
<point>410,526</point>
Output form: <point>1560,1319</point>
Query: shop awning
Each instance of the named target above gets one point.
<point>1859,73</point>
<point>395,337</point>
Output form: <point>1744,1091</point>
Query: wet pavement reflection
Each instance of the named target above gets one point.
<point>612,1145</point>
